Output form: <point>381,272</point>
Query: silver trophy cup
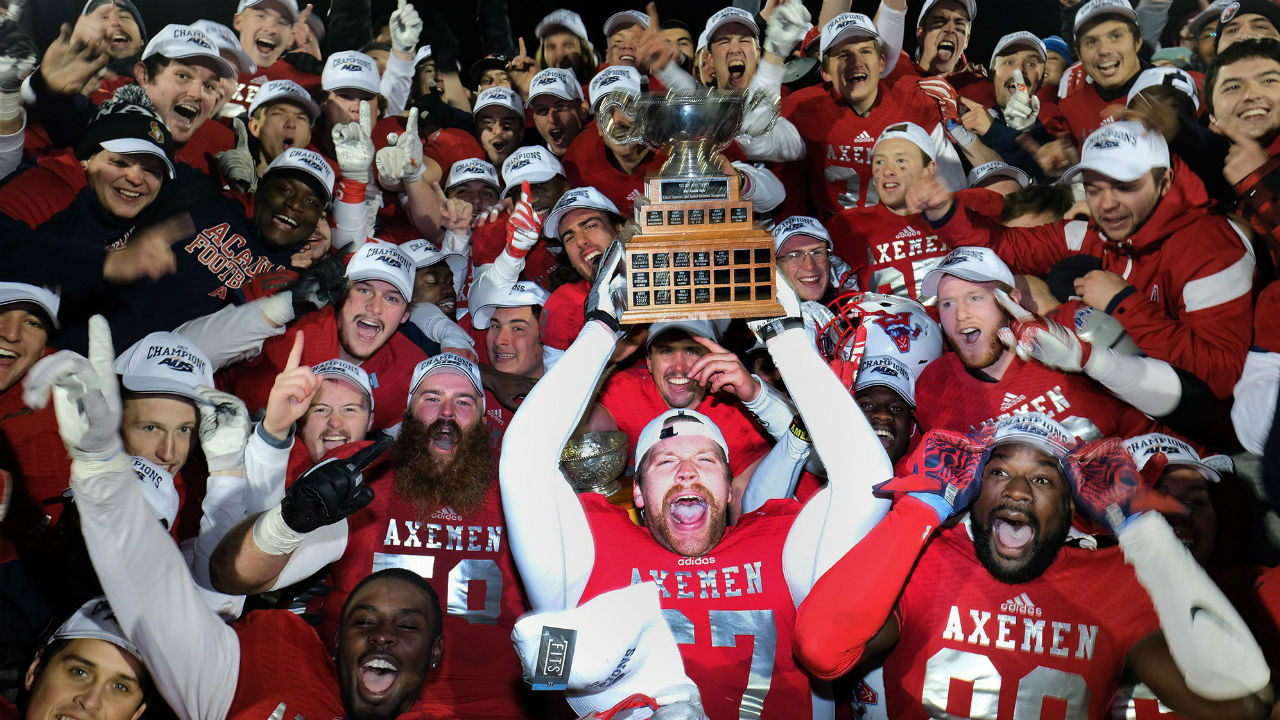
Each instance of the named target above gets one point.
<point>592,462</point>
<point>693,125</point>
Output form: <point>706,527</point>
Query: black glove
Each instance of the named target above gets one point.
<point>319,285</point>
<point>330,491</point>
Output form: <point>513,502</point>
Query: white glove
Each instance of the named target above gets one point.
<point>86,397</point>
<point>1041,339</point>
<point>406,26</point>
<point>237,165</point>
<point>787,26</point>
<point>353,144</point>
<point>606,300</point>
<point>524,226</point>
<point>224,429</point>
<point>1022,109</point>
<point>17,60</point>
<point>401,161</point>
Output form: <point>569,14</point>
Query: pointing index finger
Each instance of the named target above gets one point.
<point>652,10</point>
<point>1017,311</point>
<point>295,354</point>
<point>522,50</point>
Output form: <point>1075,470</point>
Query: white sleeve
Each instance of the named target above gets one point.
<point>950,169</point>
<point>265,463</point>
<point>493,282</point>
<point>231,335</point>
<point>783,141</point>
<point>223,507</point>
<point>772,410</point>
<point>1146,383</point>
<point>433,323</point>
<point>396,84</point>
<point>766,191</point>
<point>833,520</point>
<point>11,148</point>
<point>1208,640</point>
<point>320,547</point>
<point>1255,399</point>
<point>778,474</point>
<point>892,26</point>
<point>675,77</point>
<point>194,658</point>
<point>547,526</point>
<point>350,222</point>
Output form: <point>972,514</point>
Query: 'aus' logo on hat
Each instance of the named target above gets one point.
<point>520,163</point>
<point>550,79</point>
<point>387,256</point>
<point>960,255</point>
<point>899,329</point>
<point>354,65</point>
<point>608,80</point>
<point>177,364</point>
<point>307,160</point>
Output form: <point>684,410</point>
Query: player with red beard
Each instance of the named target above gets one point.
<point>435,510</point>
<point>998,617</point>
<point>898,245</point>
<point>839,127</point>
<point>719,584</point>
<point>983,380</point>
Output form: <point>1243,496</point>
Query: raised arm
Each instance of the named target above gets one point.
<point>193,656</point>
<point>548,529</point>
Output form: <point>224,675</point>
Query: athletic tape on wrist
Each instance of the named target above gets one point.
<point>272,535</point>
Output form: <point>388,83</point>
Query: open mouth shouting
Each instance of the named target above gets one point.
<point>266,43</point>
<point>737,72</point>
<point>334,438</point>
<point>377,675</point>
<point>184,115</point>
<point>592,259</point>
<point>946,50</point>
<point>499,146</point>
<point>1012,532</point>
<point>556,134</point>
<point>367,329</point>
<point>445,435</point>
<point>7,358</point>
<point>856,78</point>
<point>119,41</point>
<point>1108,68</point>
<point>688,511</point>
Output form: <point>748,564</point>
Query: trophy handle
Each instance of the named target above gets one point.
<point>608,127</point>
<point>773,106</point>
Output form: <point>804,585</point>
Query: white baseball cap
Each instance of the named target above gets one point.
<point>309,162</point>
<point>1035,429</point>
<point>563,20</point>
<point>799,225</point>
<point>1123,151</point>
<point>424,254</point>
<point>887,371</point>
<point>276,91</point>
<point>351,69</point>
<point>287,8</point>
<point>1162,76</point>
<point>523,293</point>
<point>532,163</point>
<point>228,44</point>
<point>165,363</point>
<point>702,41</point>
<point>677,421</point>
<point>502,97</point>
<point>423,53</point>
<point>350,373</point>
<point>472,169</point>
<point>615,78</point>
<point>157,488</point>
<point>383,261</point>
<point>1021,39</point>
<point>975,264</point>
<point>1143,447</point>
<point>731,15</point>
<point>554,81</point>
<point>995,169</point>
<point>190,45</point>
<point>620,20</point>
<point>710,329</point>
<point>1095,8</point>
<point>845,26</point>
<point>447,362</point>
<point>970,6</point>
<point>95,621</point>
<point>47,300</point>
<point>910,132</point>
<point>580,198</point>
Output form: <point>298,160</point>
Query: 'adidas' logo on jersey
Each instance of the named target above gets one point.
<point>1011,400</point>
<point>907,232</point>
<point>1022,605</point>
<point>864,137</point>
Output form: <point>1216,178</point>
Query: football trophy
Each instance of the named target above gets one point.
<point>695,252</point>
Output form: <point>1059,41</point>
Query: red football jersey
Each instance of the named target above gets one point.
<point>32,451</point>
<point>730,611</point>
<point>564,315</point>
<point>952,398</point>
<point>1083,110</point>
<point>271,641</point>
<point>587,162</point>
<point>838,141</point>
<point>248,84</point>
<point>390,369</point>
<point>448,146</point>
<point>894,252</point>
<point>972,646</point>
<point>489,240</point>
<point>467,560</point>
<point>632,398</point>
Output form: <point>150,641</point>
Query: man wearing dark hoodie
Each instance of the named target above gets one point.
<point>1177,277</point>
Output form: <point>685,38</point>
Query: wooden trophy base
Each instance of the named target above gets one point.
<point>697,254</point>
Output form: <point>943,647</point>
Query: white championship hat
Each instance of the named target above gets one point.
<point>1162,76</point>
<point>350,373</point>
<point>522,294</point>
<point>677,421</point>
<point>277,91</point>
<point>731,15</point>
<point>579,198</point>
<point>845,26</point>
<point>1143,447</point>
<point>970,6</point>
<point>1018,40</point>
<point>472,169</point>
<point>1123,151</point>
<point>562,20</point>
<point>228,45</point>
<point>287,8</point>
<point>799,225</point>
<point>451,363</point>
<point>620,20</point>
<point>532,163</point>
<point>165,363</point>
<point>910,132</point>
<point>190,45</point>
<point>351,69</point>
<point>308,161</point>
<point>997,169</point>
<point>500,97</point>
<point>887,371</point>
<point>615,78</point>
<point>45,299</point>
<point>1035,429</point>
<point>95,621</point>
<point>975,264</point>
<point>1096,8</point>
<point>557,82</point>
<point>382,261</point>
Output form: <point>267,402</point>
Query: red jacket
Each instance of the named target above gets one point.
<point>1192,272</point>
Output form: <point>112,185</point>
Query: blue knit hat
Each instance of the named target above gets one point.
<point>1055,44</point>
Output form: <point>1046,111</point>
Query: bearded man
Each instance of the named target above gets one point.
<point>433,508</point>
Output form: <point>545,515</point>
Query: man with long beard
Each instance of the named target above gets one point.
<point>435,511</point>
<point>999,617</point>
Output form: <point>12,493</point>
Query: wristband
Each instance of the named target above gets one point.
<point>350,191</point>
<point>798,429</point>
<point>778,326</point>
<point>605,318</point>
<point>273,535</point>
